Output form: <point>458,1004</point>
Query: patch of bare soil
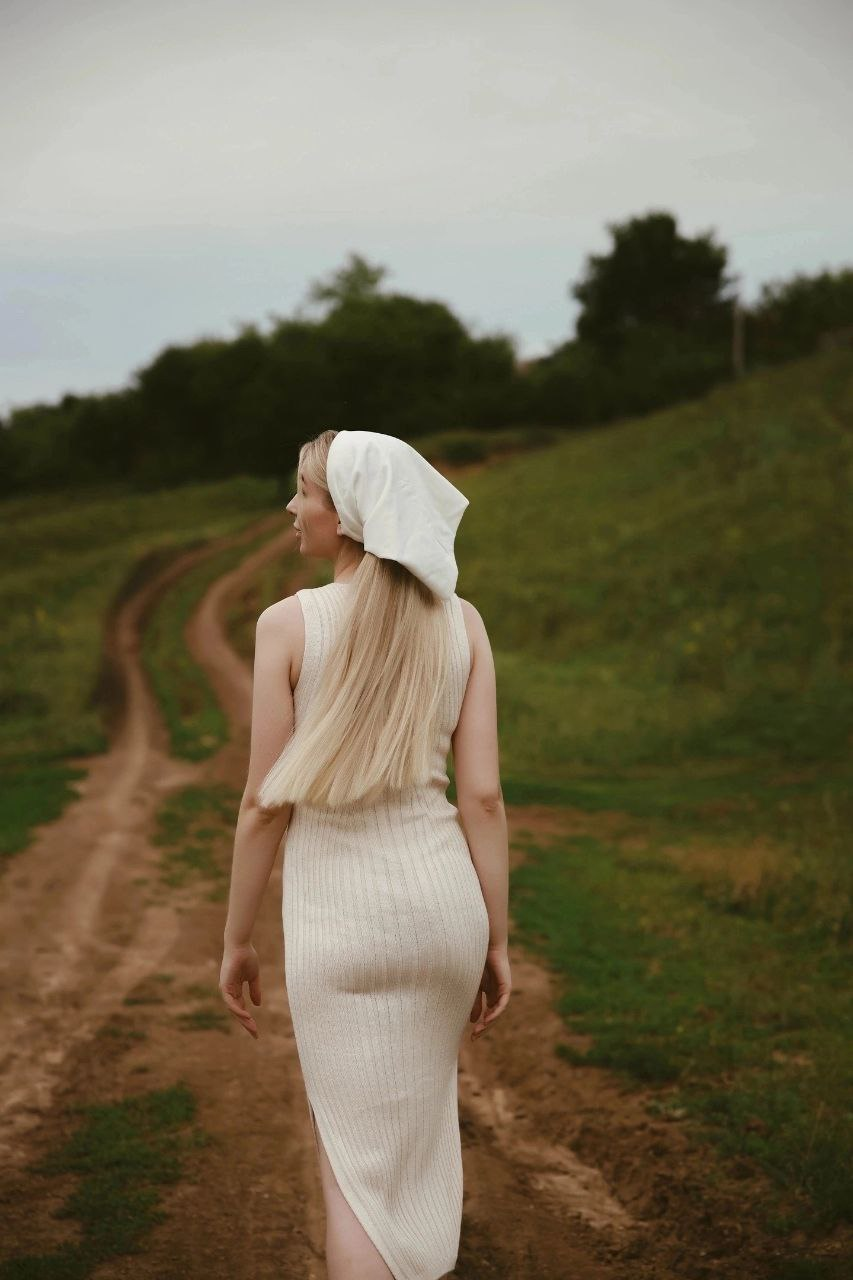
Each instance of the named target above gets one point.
<point>566,1172</point>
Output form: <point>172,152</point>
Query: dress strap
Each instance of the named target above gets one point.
<point>322,609</point>
<point>462,655</point>
<point>312,652</point>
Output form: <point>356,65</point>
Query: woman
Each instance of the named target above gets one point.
<point>394,900</point>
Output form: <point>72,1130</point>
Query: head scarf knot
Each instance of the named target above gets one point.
<point>397,504</point>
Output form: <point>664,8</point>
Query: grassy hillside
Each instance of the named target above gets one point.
<point>670,603</point>
<point>677,586</point>
<point>669,599</point>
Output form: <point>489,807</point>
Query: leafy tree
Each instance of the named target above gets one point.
<point>652,276</point>
<point>792,315</point>
<point>493,394</point>
<point>291,397</point>
<point>355,282</point>
<point>655,327</point>
<point>397,363</point>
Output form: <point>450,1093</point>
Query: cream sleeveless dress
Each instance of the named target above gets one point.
<point>385,939</point>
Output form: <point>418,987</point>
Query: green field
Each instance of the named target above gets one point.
<point>670,603</point>
<point>66,561</point>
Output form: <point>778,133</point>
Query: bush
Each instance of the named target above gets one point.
<point>455,446</point>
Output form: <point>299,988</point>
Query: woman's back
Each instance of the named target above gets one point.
<point>324,610</point>
<point>386,933</point>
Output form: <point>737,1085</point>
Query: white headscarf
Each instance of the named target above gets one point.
<point>397,504</point>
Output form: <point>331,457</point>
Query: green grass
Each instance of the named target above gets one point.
<point>809,876</point>
<point>196,724</point>
<point>66,559</point>
<point>750,1021</point>
<point>120,1030</point>
<point>206,1020</point>
<point>268,584</point>
<point>670,605</point>
<point>677,586</point>
<point>812,1269</point>
<point>195,831</point>
<point>122,1155</point>
<point>210,1015</point>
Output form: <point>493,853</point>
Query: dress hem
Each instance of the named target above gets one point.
<point>365,1219</point>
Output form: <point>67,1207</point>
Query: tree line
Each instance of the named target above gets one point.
<point>654,327</point>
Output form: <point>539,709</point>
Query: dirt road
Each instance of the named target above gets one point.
<point>566,1172</point>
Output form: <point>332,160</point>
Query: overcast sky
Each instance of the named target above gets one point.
<point>178,169</point>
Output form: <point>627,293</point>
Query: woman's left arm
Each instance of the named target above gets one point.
<point>258,835</point>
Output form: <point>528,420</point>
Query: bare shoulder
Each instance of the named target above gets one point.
<point>283,617</point>
<point>280,632</point>
<point>474,626</point>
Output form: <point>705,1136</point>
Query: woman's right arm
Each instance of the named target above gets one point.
<point>479,798</point>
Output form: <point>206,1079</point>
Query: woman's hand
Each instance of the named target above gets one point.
<point>495,985</point>
<point>239,965</point>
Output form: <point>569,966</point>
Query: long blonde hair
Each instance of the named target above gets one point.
<point>372,723</point>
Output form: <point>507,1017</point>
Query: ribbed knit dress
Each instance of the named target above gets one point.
<point>385,940</point>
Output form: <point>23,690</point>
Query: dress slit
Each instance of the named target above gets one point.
<point>346,1188</point>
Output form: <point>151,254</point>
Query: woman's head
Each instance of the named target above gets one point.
<point>316,522</point>
<point>362,492</point>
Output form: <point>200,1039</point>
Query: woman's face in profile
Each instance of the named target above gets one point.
<point>315,522</point>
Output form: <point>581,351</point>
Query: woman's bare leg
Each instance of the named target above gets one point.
<point>350,1253</point>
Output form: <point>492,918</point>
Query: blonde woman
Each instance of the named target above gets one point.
<point>394,900</point>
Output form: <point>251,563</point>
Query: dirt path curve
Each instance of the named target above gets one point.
<point>86,925</point>
<point>74,942</point>
<point>566,1174</point>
